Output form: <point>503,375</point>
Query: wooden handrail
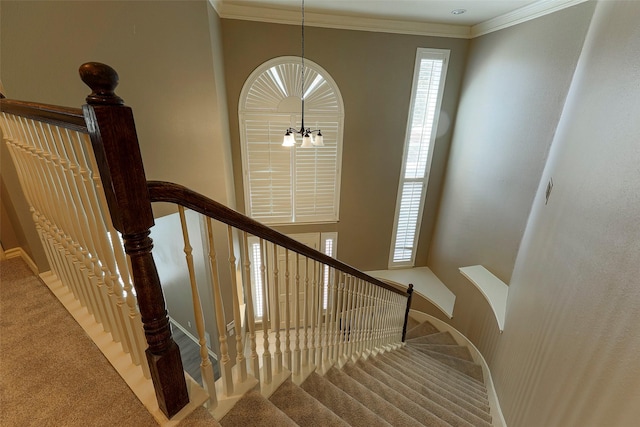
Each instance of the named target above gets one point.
<point>161,191</point>
<point>66,117</point>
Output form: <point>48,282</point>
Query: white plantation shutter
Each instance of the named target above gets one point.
<point>269,174</point>
<point>316,180</point>
<point>426,97</point>
<point>284,185</point>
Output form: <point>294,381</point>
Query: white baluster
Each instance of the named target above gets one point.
<point>241,364</point>
<point>267,374</point>
<point>296,317</point>
<point>357,321</point>
<point>366,326</point>
<point>225,360</point>
<point>287,313</point>
<point>307,293</point>
<point>275,299</point>
<point>320,312</point>
<point>254,363</point>
<point>208,381</point>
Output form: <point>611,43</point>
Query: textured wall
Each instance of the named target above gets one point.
<point>374,72</point>
<point>569,354</point>
<point>163,53</point>
<point>512,98</point>
<point>168,56</point>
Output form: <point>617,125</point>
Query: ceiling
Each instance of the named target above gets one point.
<point>426,17</point>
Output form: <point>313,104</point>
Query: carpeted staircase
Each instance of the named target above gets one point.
<point>432,381</point>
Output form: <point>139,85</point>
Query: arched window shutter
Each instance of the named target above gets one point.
<point>286,185</point>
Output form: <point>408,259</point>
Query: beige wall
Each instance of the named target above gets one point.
<point>568,355</point>
<point>513,93</point>
<point>168,57</point>
<point>374,72</point>
<point>163,53</point>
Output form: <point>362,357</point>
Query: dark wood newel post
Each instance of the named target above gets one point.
<point>406,313</point>
<point>115,143</point>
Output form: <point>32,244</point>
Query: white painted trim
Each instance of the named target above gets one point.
<point>338,21</point>
<point>425,284</point>
<point>524,14</point>
<point>20,253</point>
<point>494,404</point>
<point>494,290</point>
<point>347,22</point>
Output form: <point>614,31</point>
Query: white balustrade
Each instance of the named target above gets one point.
<point>331,316</point>
<point>59,178</point>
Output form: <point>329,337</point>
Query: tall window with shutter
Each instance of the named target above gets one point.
<point>426,97</point>
<point>285,185</point>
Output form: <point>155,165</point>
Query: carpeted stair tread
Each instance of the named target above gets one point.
<point>424,328</point>
<point>437,373</point>
<point>437,338</point>
<point>411,323</point>
<point>371,400</point>
<point>437,392</point>
<point>441,370</point>
<point>302,408</point>
<point>468,368</point>
<point>256,411</point>
<point>458,351</point>
<point>342,404</point>
<point>444,410</point>
<point>200,417</point>
<point>392,396</point>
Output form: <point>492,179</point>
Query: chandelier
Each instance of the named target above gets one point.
<point>310,137</point>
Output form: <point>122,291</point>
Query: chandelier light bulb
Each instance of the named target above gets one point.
<point>319,140</point>
<point>289,140</point>
<point>306,141</point>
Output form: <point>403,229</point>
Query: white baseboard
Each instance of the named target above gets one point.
<point>494,403</point>
<point>20,253</point>
<point>191,337</point>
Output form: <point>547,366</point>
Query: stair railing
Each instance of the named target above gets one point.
<point>315,310</point>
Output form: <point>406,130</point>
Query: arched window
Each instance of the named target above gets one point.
<point>290,184</point>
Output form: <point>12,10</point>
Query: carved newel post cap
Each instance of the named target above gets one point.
<point>102,80</point>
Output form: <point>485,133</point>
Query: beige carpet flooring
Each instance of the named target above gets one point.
<point>51,373</point>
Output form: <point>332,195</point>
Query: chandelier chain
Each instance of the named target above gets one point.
<point>302,91</point>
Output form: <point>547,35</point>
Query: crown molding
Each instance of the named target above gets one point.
<point>349,22</point>
<point>337,21</point>
<point>524,14</point>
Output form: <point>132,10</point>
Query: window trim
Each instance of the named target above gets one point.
<point>422,53</point>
